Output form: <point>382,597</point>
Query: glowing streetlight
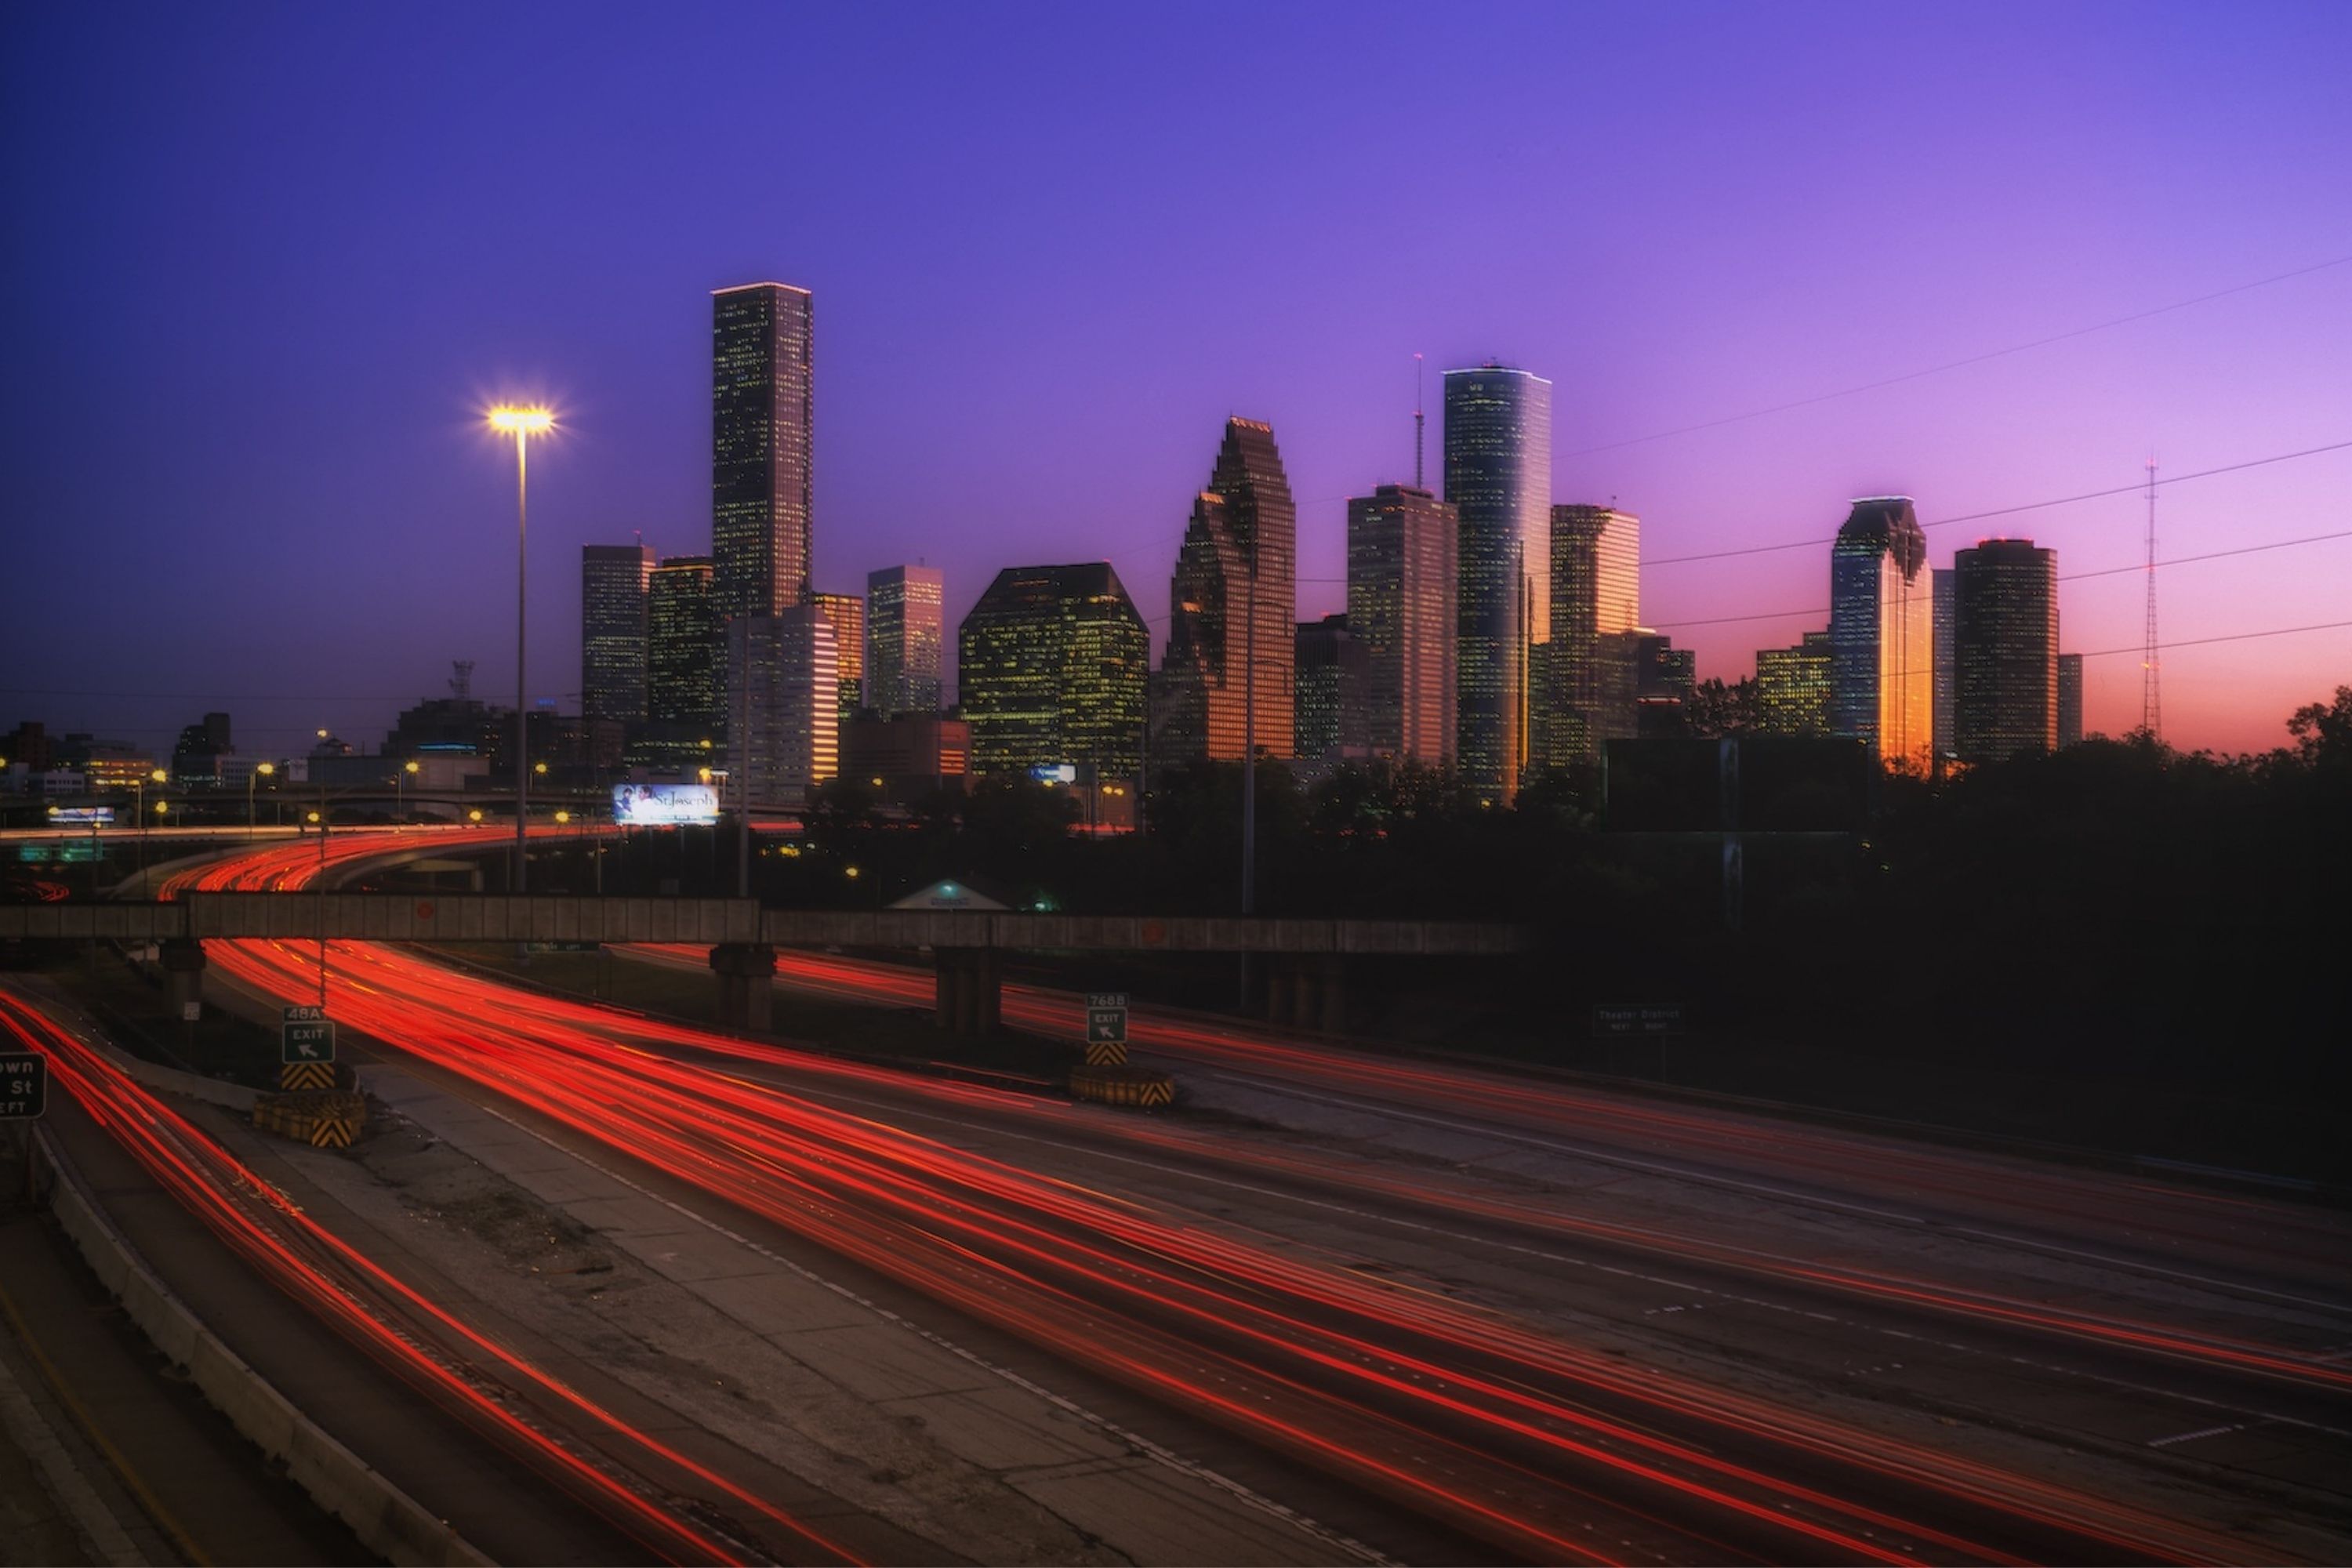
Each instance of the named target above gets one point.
<point>139,810</point>
<point>408,769</point>
<point>475,814</point>
<point>260,772</point>
<point>522,423</point>
<point>563,816</point>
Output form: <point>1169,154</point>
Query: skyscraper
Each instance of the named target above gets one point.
<point>682,648</point>
<point>2005,643</point>
<point>1051,668</point>
<point>1403,589</point>
<point>1329,708</point>
<point>761,408</point>
<point>1792,688</point>
<point>1596,592</point>
<point>2070,700</point>
<point>1229,667</point>
<point>845,613</point>
<point>1883,631</point>
<point>614,585</point>
<point>1498,478</point>
<point>904,629</point>
<point>783,689</point>
<point>1947,670</point>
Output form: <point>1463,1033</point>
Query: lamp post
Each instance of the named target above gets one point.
<point>155,776</point>
<point>400,791</point>
<point>260,770</point>
<point>522,423</point>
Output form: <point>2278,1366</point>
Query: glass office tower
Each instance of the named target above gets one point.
<point>2005,649</point>
<point>1882,632</point>
<point>1052,668</point>
<point>1596,592</point>
<point>762,386</point>
<point>682,647</point>
<point>1231,662</point>
<point>845,613</point>
<point>1499,479</point>
<point>615,580</point>
<point>1402,592</point>
<point>905,626</point>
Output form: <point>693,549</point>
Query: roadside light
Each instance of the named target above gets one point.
<point>473,815</point>
<point>563,816</point>
<point>875,783</point>
<point>267,770</point>
<point>706,742</point>
<point>849,871</point>
<point>162,807</point>
<point>411,767</point>
<point>539,768</point>
<point>704,774</point>
<point>159,777</point>
<point>313,815</point>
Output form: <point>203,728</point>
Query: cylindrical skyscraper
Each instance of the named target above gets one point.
<point>2005,650</point>
<point>1498,478</point>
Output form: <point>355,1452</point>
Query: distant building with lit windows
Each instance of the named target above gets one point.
<point>1596,592</point>
<point>783,687</point>
<point>683,645</point>
<point>1332,670</point>
<point>1052,666</point>
<point>1947,670</point>
<point>2005,645</point>
<point>845,613</point>
<point>1792,687</point>
<point>761,408</point>
<point>1403,590</point>
<point>1882,632</point>
<point>2070,700</point>
<point>615,580</point>
<point>1498,478</point>
<point>1228,674</point>
<point>905,639</point>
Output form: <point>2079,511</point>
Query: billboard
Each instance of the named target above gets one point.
<point>82,815</point>
<point>664,805</point>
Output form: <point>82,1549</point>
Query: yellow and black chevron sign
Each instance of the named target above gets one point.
<point>334,1132</point>
<point>307,1075</point>
<point>1105,1053</point>
<point>1121,1085</point>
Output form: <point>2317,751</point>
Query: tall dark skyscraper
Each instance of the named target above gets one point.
<point>615,583</point>
<point>1498,478</point>
<point>2005,645</point>
<point>1231,606</point>
<point>845,613</point>
<point>1883,631</point>
<point>1051,668</point>
<point>1596,592</point>
<point>1329,707</point>
<point>2070,700</point>
<point>682,649</point>
<point>1948,683</point>
<point>1402,588</point>
<point>762,387</point>
<point>905,629</point>
<point>785,688</point>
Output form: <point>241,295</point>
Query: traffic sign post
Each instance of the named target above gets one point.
<point>24,1086</point>
<point>1637,1018</point>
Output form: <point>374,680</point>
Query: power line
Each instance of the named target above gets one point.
<point>2227,637</point>
<point>2062,577</point>
<point>1959,364</point>
<point>2139,489</point>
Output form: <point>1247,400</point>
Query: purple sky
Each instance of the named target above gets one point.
<point>265,265</point>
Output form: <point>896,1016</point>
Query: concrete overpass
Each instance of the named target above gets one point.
<point>1305,981</point>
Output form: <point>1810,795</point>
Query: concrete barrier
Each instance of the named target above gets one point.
<point>386,1519</point>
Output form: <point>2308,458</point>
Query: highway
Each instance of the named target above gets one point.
<point>1250,1284</point>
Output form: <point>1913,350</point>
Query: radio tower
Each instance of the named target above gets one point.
<point>2151,705</point>
<point>1416,422</point>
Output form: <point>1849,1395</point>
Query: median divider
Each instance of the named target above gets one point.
<point>324,1118</point>
<point>1121,1084</point>
<point>386,1519</point>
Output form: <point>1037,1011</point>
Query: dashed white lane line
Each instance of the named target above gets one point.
<point>2192,1436</point>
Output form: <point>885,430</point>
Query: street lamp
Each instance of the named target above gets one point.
<point>155,776</point>
<point>522,423</point>
<point>408,769</point>
<point>261,770</point>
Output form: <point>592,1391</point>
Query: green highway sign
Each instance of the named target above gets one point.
<point>24,1086</point>
<point>1638,1019</point>
<point>1106,1017</point>
<point>305,1034</point>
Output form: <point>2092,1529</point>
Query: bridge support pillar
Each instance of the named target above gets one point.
<point>746,972</point>
<point>971,990</point>
<point>182,961</point>
<point>1308,990</point>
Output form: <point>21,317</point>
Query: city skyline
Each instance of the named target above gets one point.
<point>368,428</point>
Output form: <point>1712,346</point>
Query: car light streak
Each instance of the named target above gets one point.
<point>364,1302</point>
<point>1509,1432</point>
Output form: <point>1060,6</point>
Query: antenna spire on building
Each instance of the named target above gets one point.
<point>1416,424</point>
<point>461,683</point>
<point>2151,704</point>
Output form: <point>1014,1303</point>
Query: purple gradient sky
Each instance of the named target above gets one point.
<point>264,265</point>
